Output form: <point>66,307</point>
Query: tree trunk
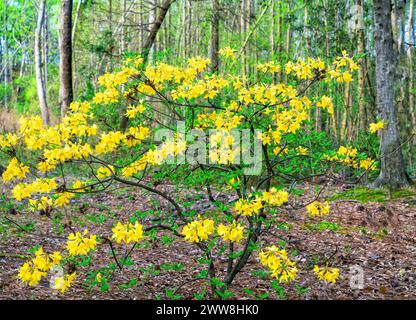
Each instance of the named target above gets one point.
<point>38,65</point>
<point>392,172</point>
<point>360,38</point>
<point>215,35</point>
<point>65,54</point>
<point>410,64</point>
<point>148,45</point>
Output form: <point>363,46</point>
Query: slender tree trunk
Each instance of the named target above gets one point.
<point>65,53</point>
<point>74,29</point>
<point>392,172</point>
<point>38,65</point>
<point>215,35</point>
<point>410,64</point>
<point>45,51</point>
<point>272,29</point>
<point>360,38</point>
<point>152,20</point>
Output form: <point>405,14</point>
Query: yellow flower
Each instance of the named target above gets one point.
<point>270,67</point>
<point>275,197</point>
<point>132,111</point>
<point>227,52</point>
<point>368,164</point>
<point>302,151</point>
<point>8,140</point>
<point>79,244</point>
<point>248,207</point>
<point>280,266</point>
<point>233,232</point>
<point>127,232</point>
<point>233,183</point>
<point>318,209</point>
<point>198,230</point>
<point>63,283</point>
<point>326,273</point>
<point>98,277</point>
<point>33,270</point>
<point>374,127</point>
<point>15,170</point>
<point>104,172</point>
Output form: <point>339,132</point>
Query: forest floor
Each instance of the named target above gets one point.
<point>372,230</point>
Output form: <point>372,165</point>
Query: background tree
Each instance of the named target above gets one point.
<point>65,54</point>
<point>40,77</point>
<point>392,171</point>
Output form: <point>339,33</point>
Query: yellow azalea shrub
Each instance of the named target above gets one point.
<point>100,152</point>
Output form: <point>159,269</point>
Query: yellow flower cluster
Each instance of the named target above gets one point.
<point>302,151</point>
<point>208,88</point>
<point>374,127</point>
<point>326,103</point>
<point>342,68</point>
<point>43,203</point>
<point>109,142</point>
<point>275,197</point>
<point>8,140</point>
<point>368,164</point>
<point>127,232</point>
<point>280,266</point>
<point>136,135</point>
<point>326,273</point>
<point>318,208</point>
<point>227,52</point>
<point>132,111</point>
<point>220,121</point>
<point>32,271</point>
<point>248,207</point>
<point>156,157</point>
<point>198,230</point>
<point>348,156</point>
<point>41,185</point>
<point>233,232</point>
<point>305,69</point>
<point>63,283</point>
<point>15,170</point>
<point>110,81</point>
<point>104,172</point>
<point>269,67</point>
<point>79,244</point>
<point>62,199</point>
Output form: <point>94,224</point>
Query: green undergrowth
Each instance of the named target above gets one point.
<point>365,195</point>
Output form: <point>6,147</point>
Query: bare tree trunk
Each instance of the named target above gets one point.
<point>74,29</point>
<point>243,30</point>
<point>45,51</point>
<point>38,65</point>
<point>410,64</point>
<point>215,35</point>
<point>359,33</point>
<point>152,19</point>
<point>392,172</point>
<point>65,53</point>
